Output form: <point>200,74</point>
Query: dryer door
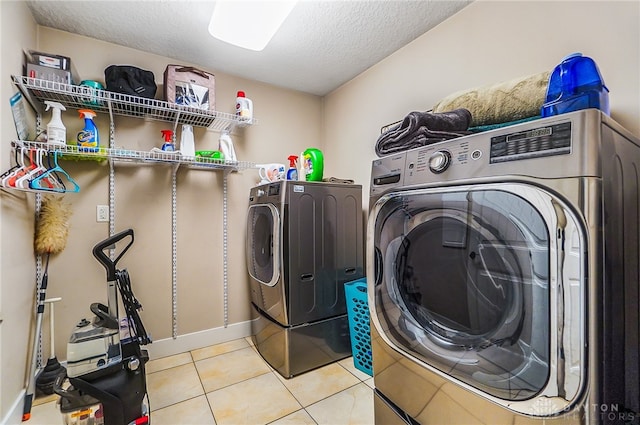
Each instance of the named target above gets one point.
<point>466,283</point>
<point>263,260</point>
<point>263,242</point>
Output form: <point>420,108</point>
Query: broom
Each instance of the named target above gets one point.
<point>52,229</point>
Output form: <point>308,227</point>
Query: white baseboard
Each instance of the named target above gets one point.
<point>193,341</point>
<point>14,414</point>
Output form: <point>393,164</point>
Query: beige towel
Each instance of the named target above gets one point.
<point>502,102</point>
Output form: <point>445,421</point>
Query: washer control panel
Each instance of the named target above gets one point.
<point>550,140</point>
<point>499,152</point>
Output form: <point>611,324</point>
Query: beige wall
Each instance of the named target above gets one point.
<point>17,276</point>
<point>485,43</point>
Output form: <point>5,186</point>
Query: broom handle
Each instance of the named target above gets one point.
<point>31,377</point>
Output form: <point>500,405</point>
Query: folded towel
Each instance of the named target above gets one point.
<point>489,127</point>
<point>423,128</point>
<point>337,180</point>
<point>501,102</point>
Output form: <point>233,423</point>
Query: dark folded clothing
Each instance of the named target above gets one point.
<point>337,180</point>
<point>423,128</point>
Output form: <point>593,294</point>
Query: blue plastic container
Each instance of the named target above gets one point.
<point>358,314</point>
<point>575,84</point>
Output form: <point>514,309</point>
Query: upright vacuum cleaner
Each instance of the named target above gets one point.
<point>105,383</point>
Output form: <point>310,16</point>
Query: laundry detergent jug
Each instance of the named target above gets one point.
<point>313,163</point>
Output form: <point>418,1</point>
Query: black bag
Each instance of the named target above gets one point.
<point>130,80</point>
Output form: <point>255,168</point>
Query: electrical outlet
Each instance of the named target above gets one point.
<point>102,213</point>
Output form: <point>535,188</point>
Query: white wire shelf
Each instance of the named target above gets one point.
<point>140,157</point>
<point>81,97</point>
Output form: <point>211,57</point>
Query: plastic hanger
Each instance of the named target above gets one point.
<point>53,172</point>
<point>35,155</point>
<point>10,181</point>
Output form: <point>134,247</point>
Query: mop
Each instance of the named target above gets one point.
<point>52,229</point>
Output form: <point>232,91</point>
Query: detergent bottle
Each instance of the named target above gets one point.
<point>88,138</point>
<point>168,145</point>
<point>244,107</point>
<point>187,143</point>
<point>56,131</point>
<point>225,145</point>
<point>292,172</point>
<point>313,163</point>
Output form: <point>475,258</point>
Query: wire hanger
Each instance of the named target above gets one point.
<point>4,176</point>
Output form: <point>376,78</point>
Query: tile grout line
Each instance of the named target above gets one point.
<point>271,370</point>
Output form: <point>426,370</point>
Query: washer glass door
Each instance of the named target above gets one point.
<point>263,241</point>
<point>462,283</point>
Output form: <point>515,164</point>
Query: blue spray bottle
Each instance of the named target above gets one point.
<point>88,138</point>
<point>292,172</point>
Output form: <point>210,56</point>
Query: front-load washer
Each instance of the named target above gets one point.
<point>503,273</point>
<point>305,240</point>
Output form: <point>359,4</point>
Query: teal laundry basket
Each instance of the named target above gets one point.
<point>358,314</point>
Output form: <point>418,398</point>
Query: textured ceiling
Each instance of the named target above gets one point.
<point>320,46</point>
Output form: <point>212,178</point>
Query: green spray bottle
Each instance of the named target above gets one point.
<point>313,162</point>
<point>88,138</point>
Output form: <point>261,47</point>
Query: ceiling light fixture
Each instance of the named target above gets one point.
<point>248,24</point>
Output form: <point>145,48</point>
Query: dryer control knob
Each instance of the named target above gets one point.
<point>439,161</point>
<point>261,192</point>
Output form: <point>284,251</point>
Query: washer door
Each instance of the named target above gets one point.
<point>263,244</point>
<point>463,284</point>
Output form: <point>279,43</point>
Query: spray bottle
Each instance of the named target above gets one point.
<point>56,131</point>
<point>88,138</point>
<point>187,144</point>
<point>168,141</point>
<point>292,172</point>
<point>225,145</point>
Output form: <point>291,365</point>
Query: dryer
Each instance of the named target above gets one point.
<point>503,276</point>
<point>304,242</point>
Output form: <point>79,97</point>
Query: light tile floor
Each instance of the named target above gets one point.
<point>230,384</point>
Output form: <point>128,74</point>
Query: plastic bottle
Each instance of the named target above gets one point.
<point>168,141</point>
<point>301,167</point>
<point>574,84</point>
<point>56,131</point>
<point>244,107</point>
<point>88,138</point>
<point>187,144</point>
<point>225,145</point>
<point>292,172</point>
<point>313,164</point>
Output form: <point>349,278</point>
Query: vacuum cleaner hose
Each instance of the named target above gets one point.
<point>131,306</point>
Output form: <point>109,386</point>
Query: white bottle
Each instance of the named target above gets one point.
<point>244,107</point>
<point>187,144</point>
<point>225,145</point>
<point>56,131</point>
